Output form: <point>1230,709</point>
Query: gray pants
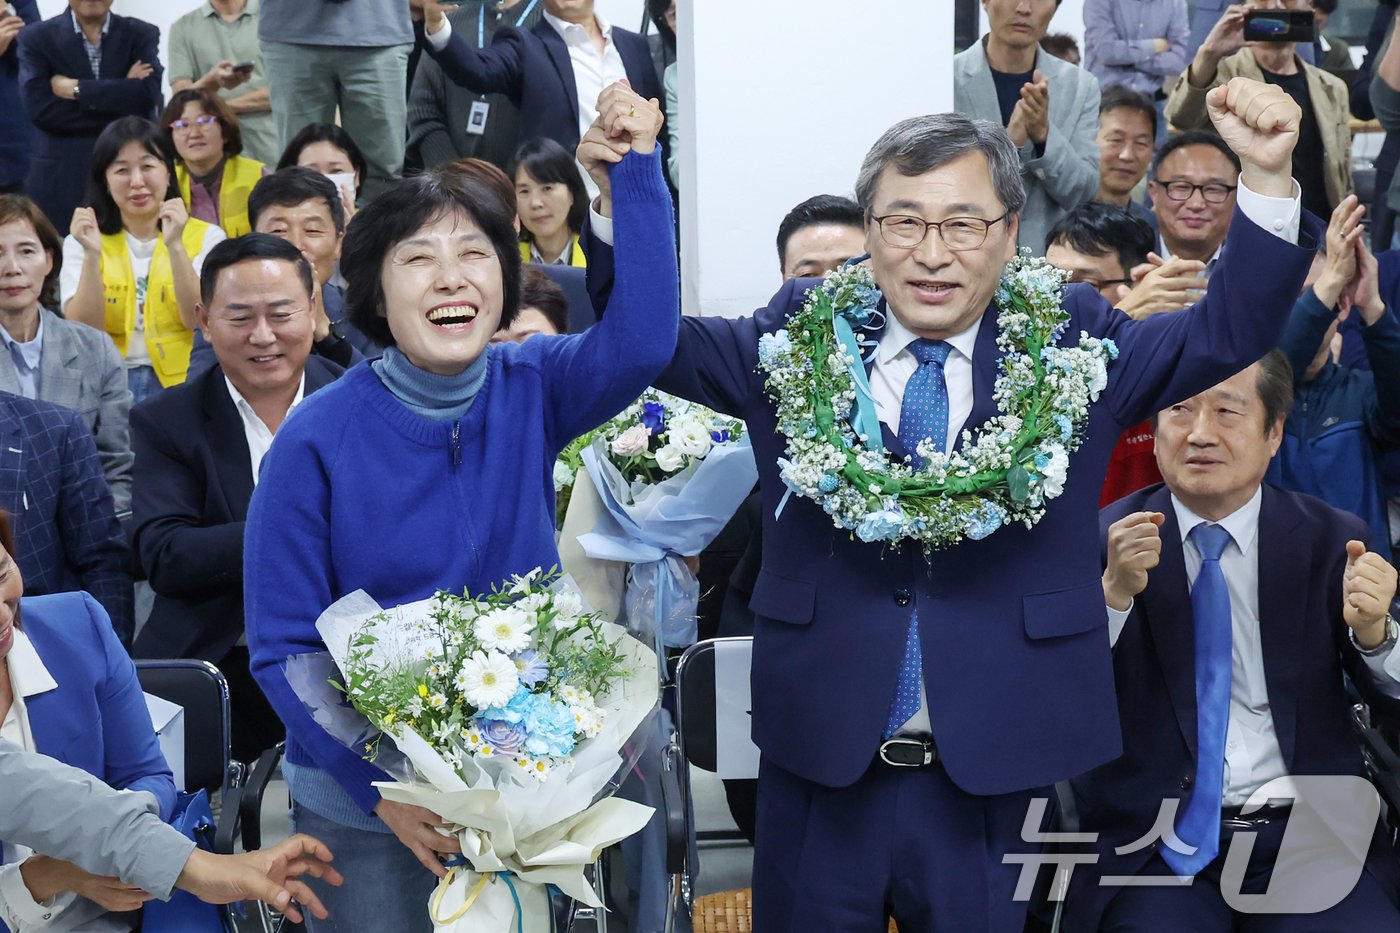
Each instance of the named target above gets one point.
<point>309,82</point>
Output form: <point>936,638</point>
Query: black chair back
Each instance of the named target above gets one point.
<point>701,734</point>
<point>200,688</point>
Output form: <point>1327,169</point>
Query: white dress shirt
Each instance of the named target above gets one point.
<point>1252,753</point>
<point>257,432</point>
<point>593,71</point>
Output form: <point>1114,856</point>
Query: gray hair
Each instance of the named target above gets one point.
<point>921,144</point>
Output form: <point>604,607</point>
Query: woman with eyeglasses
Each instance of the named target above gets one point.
<point>131,261</point>
<point>214,179</point>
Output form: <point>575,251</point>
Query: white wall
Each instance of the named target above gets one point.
<point>785,108</point>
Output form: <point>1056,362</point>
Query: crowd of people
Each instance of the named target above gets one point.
<point>367,214</point>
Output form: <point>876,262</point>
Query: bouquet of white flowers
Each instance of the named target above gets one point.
<point>511,711</point>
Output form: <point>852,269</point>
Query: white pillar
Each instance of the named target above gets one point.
<point>781,100</point>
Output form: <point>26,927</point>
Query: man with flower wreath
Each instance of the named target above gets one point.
<point>931,647</point>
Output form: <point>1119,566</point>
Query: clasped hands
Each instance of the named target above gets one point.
<point>626,122</point>
<point>1135,547</point>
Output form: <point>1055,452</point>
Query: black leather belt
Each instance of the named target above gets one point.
<point>908,752</point>
<point>1232,818</point>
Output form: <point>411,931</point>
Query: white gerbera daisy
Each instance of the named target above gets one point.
<point>488,679</point>
<point>506,629</point>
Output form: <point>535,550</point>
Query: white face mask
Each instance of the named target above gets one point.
<point>345,181</point>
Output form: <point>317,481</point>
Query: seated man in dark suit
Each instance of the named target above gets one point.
<point>199,447</point>
<point>66,532</point>
<point>1235,609</point>
<point>79,71</point>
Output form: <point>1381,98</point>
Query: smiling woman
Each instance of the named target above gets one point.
<point>454,440</point>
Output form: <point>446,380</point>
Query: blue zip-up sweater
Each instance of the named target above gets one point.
<point>1343,421</point>
<point>361,492</point>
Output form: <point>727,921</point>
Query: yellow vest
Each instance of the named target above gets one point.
<point>576,255</point>
<point>167,339</point>
<point>240,175</point>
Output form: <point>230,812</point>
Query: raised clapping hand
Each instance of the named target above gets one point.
<point>1344,231</point>
<point>268,875</point>
<point>1368,586</point>
<point>1260,123</point>
<point>1134,548</point>
<point>9,28</point>
<point>173,217</point>
<point>626,122</point>
<point>1030,118</point>
<point>83,226</point>
<point>1162,285</point>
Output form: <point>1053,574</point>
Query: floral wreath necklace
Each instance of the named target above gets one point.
<point>1003,473</point>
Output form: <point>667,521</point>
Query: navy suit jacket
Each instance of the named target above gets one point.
<point>1013,627</point>
<point>65,521</point>
<point>188,511</point>
<point>15,141</point>
<point>532,67</point>
<point>67,129</point>
<point>1302,554</point>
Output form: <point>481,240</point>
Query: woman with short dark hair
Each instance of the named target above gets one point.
<point>431,468</point>
<point>132,258</point>
<point>215,180</point>
<point>551,201</point>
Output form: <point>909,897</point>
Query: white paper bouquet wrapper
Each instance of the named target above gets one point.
<point>541,831</point>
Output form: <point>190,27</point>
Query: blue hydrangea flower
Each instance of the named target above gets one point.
<point>828,483</point>
<point>654,417</point>
<point>881,526</point>
<point>1042,460</point>
<point>548,725</point>
<point>771,345</point>
<point>1066,427</point>
<point>986,519</point>
<point>721,436</point>
<point>1110,347</point>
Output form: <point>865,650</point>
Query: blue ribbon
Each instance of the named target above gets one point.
<point>864,420</point>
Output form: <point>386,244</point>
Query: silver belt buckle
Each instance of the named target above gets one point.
<point>924,750</point>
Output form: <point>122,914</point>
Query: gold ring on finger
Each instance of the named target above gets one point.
<point>631,111</point>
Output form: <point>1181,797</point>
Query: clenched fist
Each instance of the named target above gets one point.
<point>1134,547</point>
<point>1368,586</point>
<point>1260,123</point>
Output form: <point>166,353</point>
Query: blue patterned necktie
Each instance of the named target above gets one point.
<point>923,415</point>
<point>1199,824</point>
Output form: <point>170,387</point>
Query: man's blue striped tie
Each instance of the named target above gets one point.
<point>922,415</point>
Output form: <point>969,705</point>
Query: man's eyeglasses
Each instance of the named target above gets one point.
<point>959,233</point>
<point>206,119</point>
<point>1213,192</point>
<point>1097,284</point>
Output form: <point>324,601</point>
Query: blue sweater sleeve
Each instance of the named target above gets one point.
<point>288,581</point>
<point>590,377</point>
